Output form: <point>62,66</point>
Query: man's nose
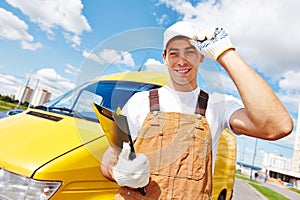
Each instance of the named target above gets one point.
<point>182,60</point>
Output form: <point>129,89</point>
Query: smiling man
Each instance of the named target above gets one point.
<point>176,128</point>
<point>182,60</point>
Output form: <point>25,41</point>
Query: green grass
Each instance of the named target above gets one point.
<point>295,190</point>
<point>8,106</point>
<point>267,192</point>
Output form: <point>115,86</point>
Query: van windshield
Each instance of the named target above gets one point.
<point>110,94</point>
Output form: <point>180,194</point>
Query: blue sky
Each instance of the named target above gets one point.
<point>55,40</point>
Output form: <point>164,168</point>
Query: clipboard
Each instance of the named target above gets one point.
<point>116,129</point>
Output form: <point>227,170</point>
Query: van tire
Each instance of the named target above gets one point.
<point>222,196</point>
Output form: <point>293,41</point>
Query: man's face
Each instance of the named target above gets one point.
<point>183,61</point>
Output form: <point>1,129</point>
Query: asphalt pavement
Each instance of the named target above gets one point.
<point>242,190</point>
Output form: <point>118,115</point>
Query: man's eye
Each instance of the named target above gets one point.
<point>173,53</point>
<point>190,52</point>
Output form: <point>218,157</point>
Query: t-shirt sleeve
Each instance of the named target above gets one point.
<point>222,107</point>
<point>136,110</point>
<point>232,104</point>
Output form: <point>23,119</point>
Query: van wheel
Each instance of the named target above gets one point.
<point>222,196</point>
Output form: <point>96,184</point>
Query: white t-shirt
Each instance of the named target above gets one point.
<point>219,109</point>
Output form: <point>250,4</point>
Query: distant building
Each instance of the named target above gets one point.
<point>24,94</point>
<point>278,162</point>
<point>296,156</point>
<point>40,97</point>
<point>35,98</point>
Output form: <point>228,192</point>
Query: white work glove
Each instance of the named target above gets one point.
<point>213,42</point>
<point>132,173</point>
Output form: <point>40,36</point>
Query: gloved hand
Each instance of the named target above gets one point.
<point>213,42</point>
<point>132,173</point>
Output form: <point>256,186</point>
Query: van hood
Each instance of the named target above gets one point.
<point>27,140</point>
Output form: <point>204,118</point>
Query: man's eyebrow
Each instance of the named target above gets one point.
<point>173,49</point>
<point>190,47</point>
<point>177,49</point>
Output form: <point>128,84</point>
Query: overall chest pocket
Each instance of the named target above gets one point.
<point>176,148</point>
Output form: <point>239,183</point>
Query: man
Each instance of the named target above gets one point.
<point>176,130</point>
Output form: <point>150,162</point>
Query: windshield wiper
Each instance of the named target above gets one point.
<point>73,113</point>
<point>41,107</point>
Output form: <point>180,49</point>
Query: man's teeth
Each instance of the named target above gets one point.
<point>182,70</point>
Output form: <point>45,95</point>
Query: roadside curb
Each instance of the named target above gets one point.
<point>256,192</point>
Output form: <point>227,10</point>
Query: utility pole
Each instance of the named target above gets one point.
<point>35,92</point>
<point>23,94</point>
<point>253,159</point>
<point>141,67</point>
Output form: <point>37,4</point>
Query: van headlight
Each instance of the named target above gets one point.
<point>13,186</point>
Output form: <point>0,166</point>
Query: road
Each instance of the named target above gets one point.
<point>242,190</point>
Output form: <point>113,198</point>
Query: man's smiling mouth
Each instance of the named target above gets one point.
<point>182,71</point>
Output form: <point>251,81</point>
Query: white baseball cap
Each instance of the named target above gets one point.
<point>182,28</point>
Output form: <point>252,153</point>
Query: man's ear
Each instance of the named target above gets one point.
<point>164,57</point>
<point>201,58</point>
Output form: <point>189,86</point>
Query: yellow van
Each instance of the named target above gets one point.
<point>225,167</point>
<point>54,151</point>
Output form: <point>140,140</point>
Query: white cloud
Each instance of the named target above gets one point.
<point>162,19</point>
<point>290,81</point>
<point>90,56</point>
<point>126,58</point>
<point>54,14</point>
<point>111,56</point>
<point>50,80</point>
<point>154,65</point>
<point>291,101</point>
<point>289,91</point>
<point>265,32</point>
<point>10,83</point>
<point>13,28</point>
<point>74,39</point>
<point>71,70</point>
<point>31,46</point>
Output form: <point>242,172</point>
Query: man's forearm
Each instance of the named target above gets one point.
<point>263,107</point>
<point>108,161</point>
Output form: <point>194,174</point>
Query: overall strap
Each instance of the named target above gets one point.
<point>154,100</point>
<point>201,103</point>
